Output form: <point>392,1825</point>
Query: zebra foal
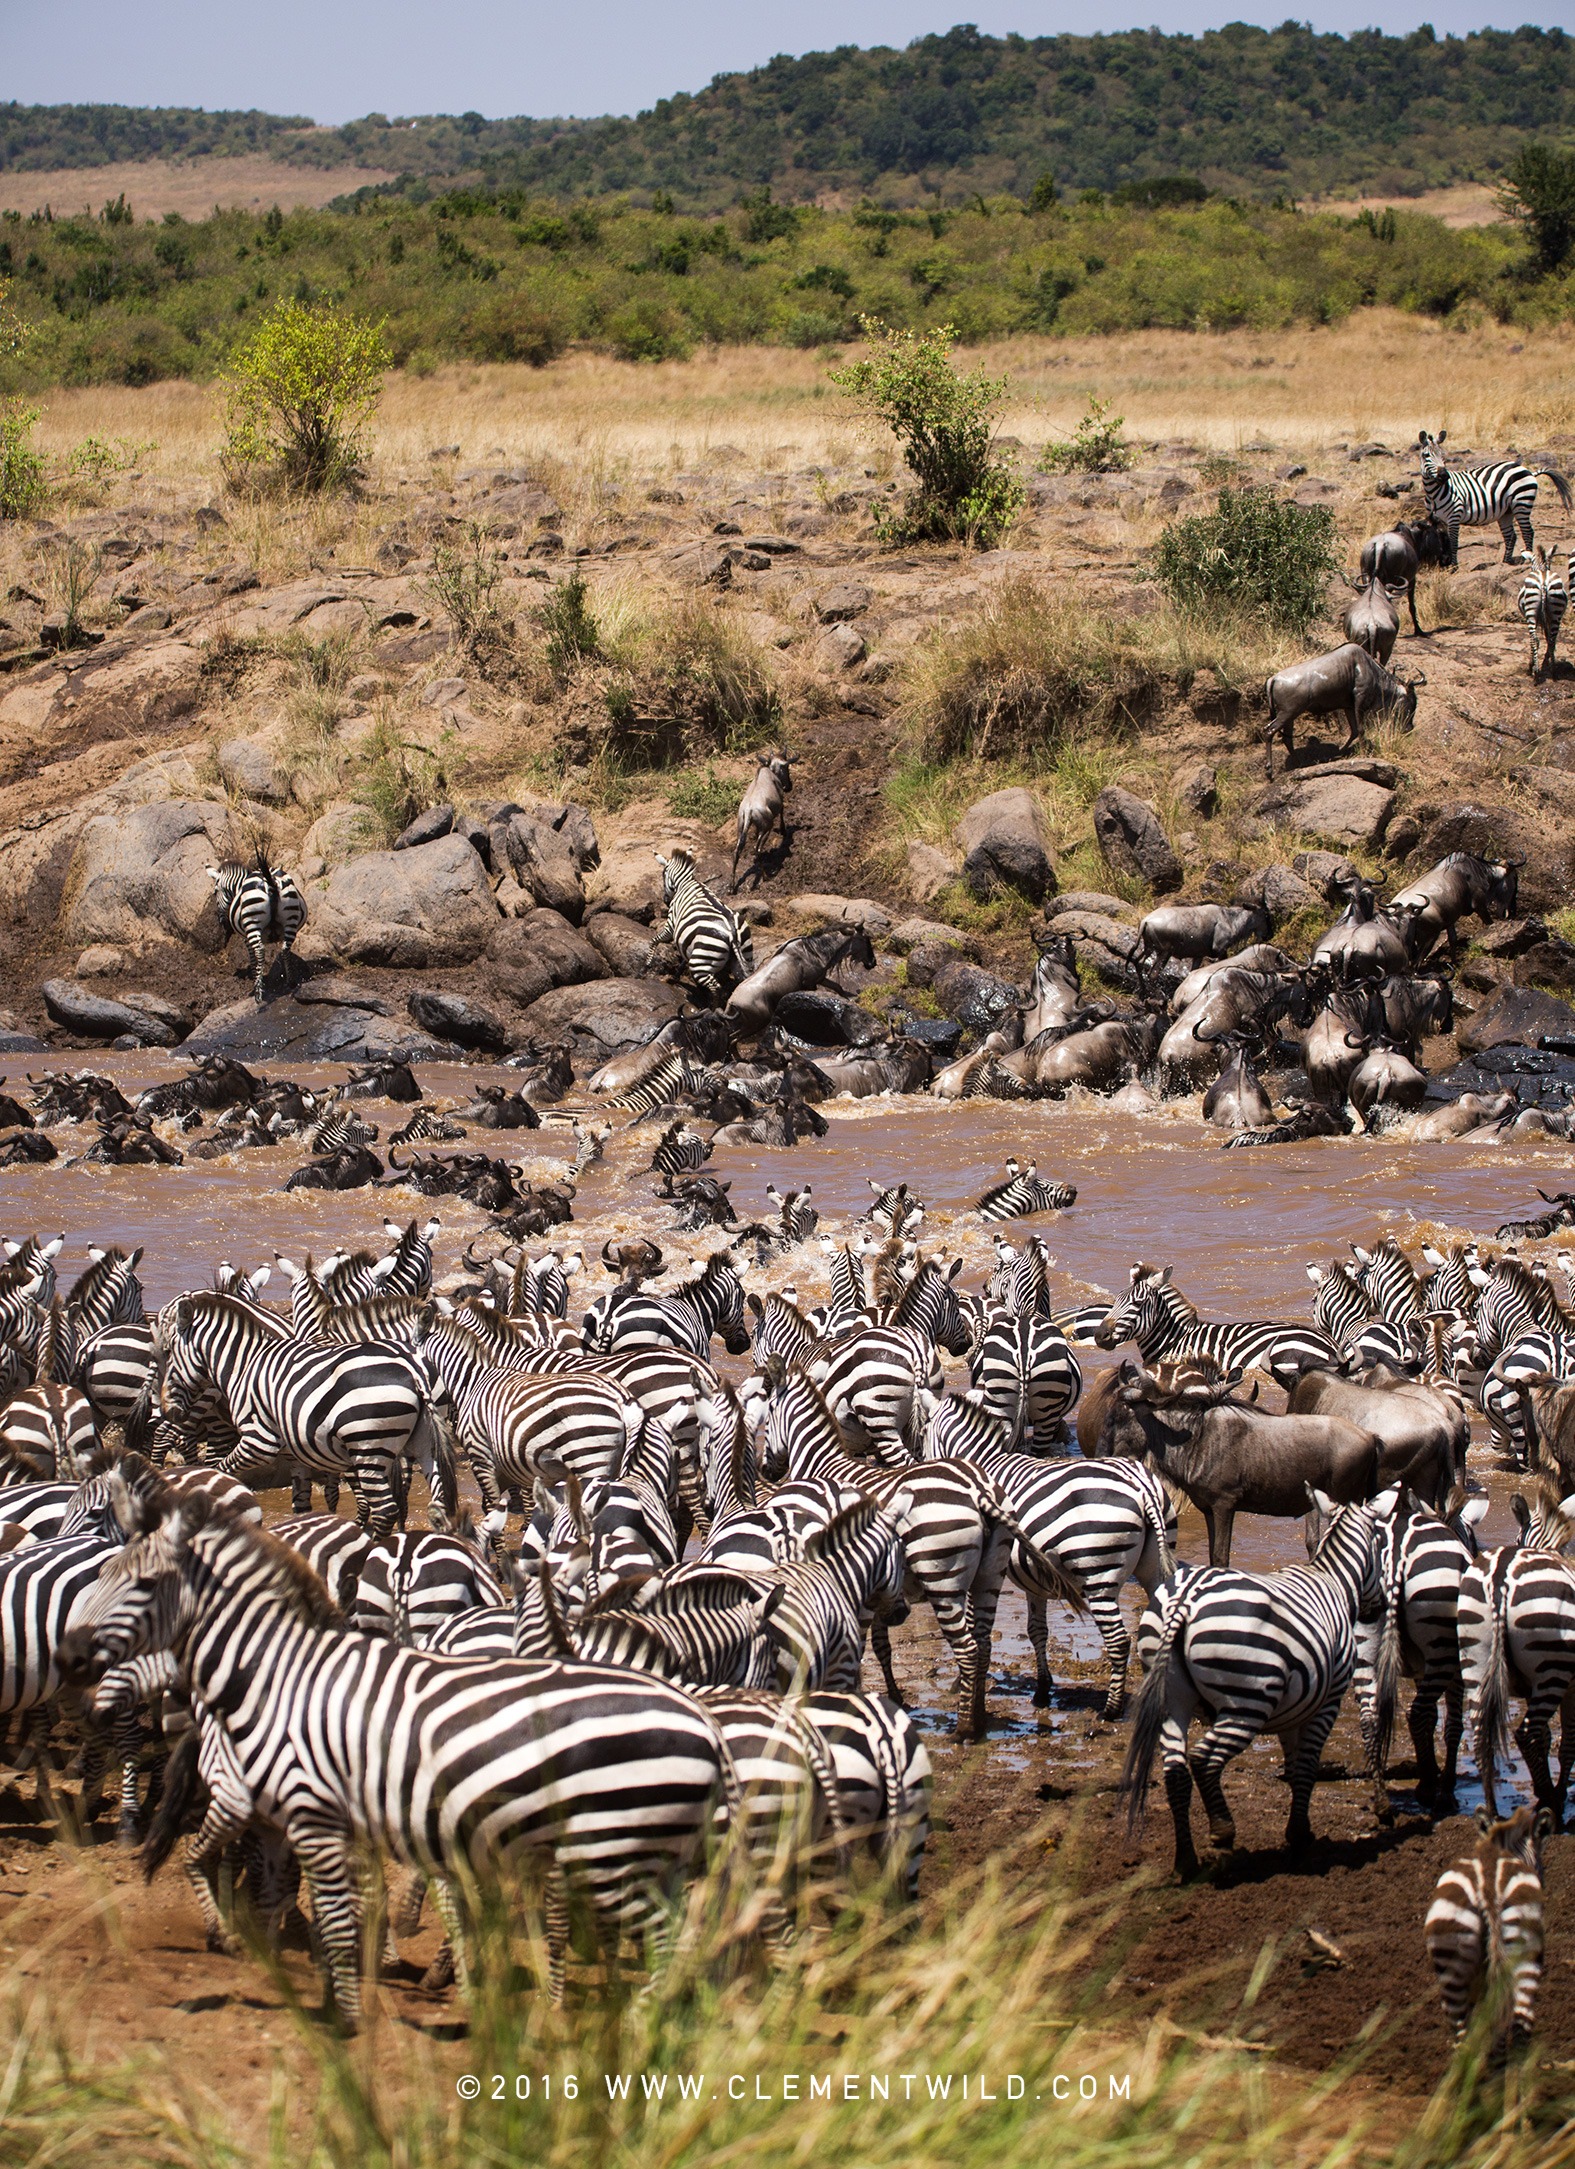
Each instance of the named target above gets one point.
<point>1542,601</point>
<point>1484,1926</point>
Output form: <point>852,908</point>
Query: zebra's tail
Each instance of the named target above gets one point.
<point>437,1422</point>
<point>399,1594</point>
<point>1058,1583</point>
<point>1386,1679</point>
<point>1560,483</point>
<point>1155,1502</point>
<point>1493,1694</point>
<point>175,1803</point>
<point>1148,1716</point>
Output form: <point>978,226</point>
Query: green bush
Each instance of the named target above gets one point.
<point>943,421</point>
<point>1257,553</point>
<point>1095,447</point>
<point>513,328</point>
<point>464,584</point>
<point>646,329</point>
<point>22,486</point>
<point>1538,193</point>
<point>573,635</point>
<point>300,394</point>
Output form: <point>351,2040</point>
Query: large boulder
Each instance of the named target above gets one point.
<point>141,876</point>
<point>1521,1015</point>
<point>613,1012</point>
<point>930,869</point>
<point>1007,845</point>
<point>544,942</point>
<point>250,767</point>
<point>629,879</point>
<point>457,1017</point>
<point>340,833</point>
<point>624,945</point>
<point>542,860</point>
<point>146,1019</point>
<point>977,999</point>
<point>350,1029</point>
<point>828,910</point>
<point>1346,808</point>
<point>1133,840</point>
<point>404,909</point>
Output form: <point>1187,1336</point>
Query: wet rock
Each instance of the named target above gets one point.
<point>941,1035</point>
<point>143,874</point>
<point>821,1018</point>
<point>1133,841</point>
<point>313,1032</point>
<point>930,869</point>
<point>1281,892</point>
<point>457,1017</point>
<point>542,860</point>
<point>418,908</point>
<point>835,605</point>
<point>545,939</point>
<point>1325,871</point>
<point>843,910</point>
<point>427,827</point>
<point>613,1012</point>
<point>332,991</point>
<point>1519,1014</point>
<point>839,648</point>
<point>13,1040</point>
<point>624,945</point>
<point>1341,806</point>
<point>1195,786</point>
<point>1007,845</point>
<point>976,998</point>
<point>1548,964</point>
<point>144,1020</point>
<point>249,767</point>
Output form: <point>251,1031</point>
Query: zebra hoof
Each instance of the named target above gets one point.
<point>224,1944</point>
<point>1041,1698</point>
<point>129,1834</point>
<point>440,1974</point>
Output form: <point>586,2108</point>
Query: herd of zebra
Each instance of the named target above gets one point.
<point>660,1673</point>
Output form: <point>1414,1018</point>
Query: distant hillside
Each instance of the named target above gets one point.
<point>1250,111</point>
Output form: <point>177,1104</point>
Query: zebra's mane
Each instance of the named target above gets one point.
<point>373,1311</point>
<point>915,1291</point>
<point>297,1587</point>
<point>622,1595</point>
<point>844,1528</point>
<point>797,1381</point>
<point>205,1303</point>
<point>100,1273</point>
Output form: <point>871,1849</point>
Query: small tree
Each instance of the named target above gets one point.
<point>464,583</point>
<point>1256,553</point>
<point>22,485</point>
<point>300,393</point>
<point>1095,447</point>
<point>1538,193</point>
<point>944,422</point>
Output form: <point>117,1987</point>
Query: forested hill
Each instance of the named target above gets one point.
<point>1250,111</point>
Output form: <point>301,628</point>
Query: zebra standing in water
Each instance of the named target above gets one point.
<point>614,1782</point>
<point>260,903</point>
<point>1254,1653</point>
<point>1501,494</point>
<point>1543,600</point>
<point>1166,1328</point>
<point>715,943</point>
<point>1484,1926</point>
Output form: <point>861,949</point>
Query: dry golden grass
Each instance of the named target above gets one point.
<point>191,186</point>
<point>1470,204</point>
<point>591,425</point>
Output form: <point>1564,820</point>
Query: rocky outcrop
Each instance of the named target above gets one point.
<point>1341,803</point>
<point>1519,1015</point>
<point>828,910</point>
<point>929,870</point>
<point>399,909</point>
<point>352,1028</point>
<point>612,1012</point>
<point>456,1017</point>
<point>1007,845</point>
<point>542,947</point>
<point>1133,841</point>
<point>142,1020</point>
<point>624,945</point>
<point>249,767</point>
<point>140,877</point>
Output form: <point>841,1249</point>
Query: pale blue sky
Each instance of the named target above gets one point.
<point>338,59</point>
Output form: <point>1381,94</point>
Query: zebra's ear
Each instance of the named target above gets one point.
<point>1567,1507</point>
<point>954,1268</point>
<point>1385,1502</point>
<point>1473,1511</point>
<point>1322,1503</point>
<point>1484,1820</point>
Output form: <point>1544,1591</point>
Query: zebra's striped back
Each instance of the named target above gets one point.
<point>715,943</point>
<point>1484,1926</point>
<point>1542,600</point>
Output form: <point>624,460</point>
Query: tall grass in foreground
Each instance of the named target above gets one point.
<point>1006,1991</point>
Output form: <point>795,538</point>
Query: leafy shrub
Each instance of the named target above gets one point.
<point>1167,192</point>
<point>648,330</point>
<point>1044,195</point>
<point>71,570</point>
<point>22,486</point>
<point>464,584</point>
<point>766,220</point>
<point>300,394</point>
<point>573,635</point>
<point>1256,553</point>
<point>1095,447</point>
<point>710,798</point>
<point>811,327</point>
<point>712,676</point>
<point>513,328</point>
<point>1538,193</point>
<point>92,462</point>
<point>943,422</point>
<point>400,780</point>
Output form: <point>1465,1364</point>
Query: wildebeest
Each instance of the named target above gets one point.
<point>1344,682</point>
<point>1397,556</point>
<point>1461,1117</point>
<point>807,961</point>
<point>1196,931</point>
<point>1560,1215</point>
<point>1245,1002</point>
<point>1110,1427</point>
<point>1236,1100</point>
<point>1337,1040</point>
<point>1424,1432</point>
<point>1054,994</point>
<point>1547,1411</point>
<point>1415,1009</point>
<point>1372,621</point>
<point>762,808</point>
<point>1364,942</point>
<point>1385,1077</point>
<point>1231,1458</point>
<point>1442,897</point>
<point>1259,956</point>
<point>901,1067</point>
<point>1095,1058</point>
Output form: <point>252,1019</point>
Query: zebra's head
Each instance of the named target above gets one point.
<point>137,1604</point>
<point>1137,1311</point>
<point>1427,444</point>
<point>1345,1541</point>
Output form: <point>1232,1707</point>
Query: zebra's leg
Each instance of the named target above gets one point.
<point>372,1477</point>
<point>956,1620</point>
<point>1422,1723</point>
<point>300,1490</point>
<point>1112,1627</point>
<point>880,1635</point>
<point>1534,1738</point>
<point>1443,1801</point>
<point>1506,528</point>
<point>445,1897</point>
<point>1039,1641</point>
<point>1178,1793</point>
<point>1301,1770</point>
<point>555,1909</point>
<point>1230,1735</point>
<point>224,1825</point>
<point>330,1869</point>
<point>405,1919</point>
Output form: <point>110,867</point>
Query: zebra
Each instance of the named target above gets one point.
<point>894,1212</point>
<point>956,1524</point>
<point>260,903</point>
<point>1502,494</point>
<point>515,1427</point>
<point>788,1774</point>
<point>871,1380</point>
<point>336,1550</point>
<point>1024,1373</point>
<point>1484,1926</point>
<point>1423,1557</point>
<point>1517,1635</point>
<point>672,1077</point>
<point>798,1217</point>
<point>1024,1193</point>
<point>340,1131</point>
<point>49,1428</point>
<point>614,1782</point>
<point>883,1777</point>
<point>830,1593</point>
<point>715,943</point>
<point>1343,1309</point>
<point>685,1318</point>
<point>410,1585</point>
<point>693,1645</point>
<point>1166,1327</point>
<point>1388,1280</point>
<point>1543,599</point>
<point>108,1293</point>
<point>680,1150</point>
<point>1255,1653</point>
<point>357,1409</point>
